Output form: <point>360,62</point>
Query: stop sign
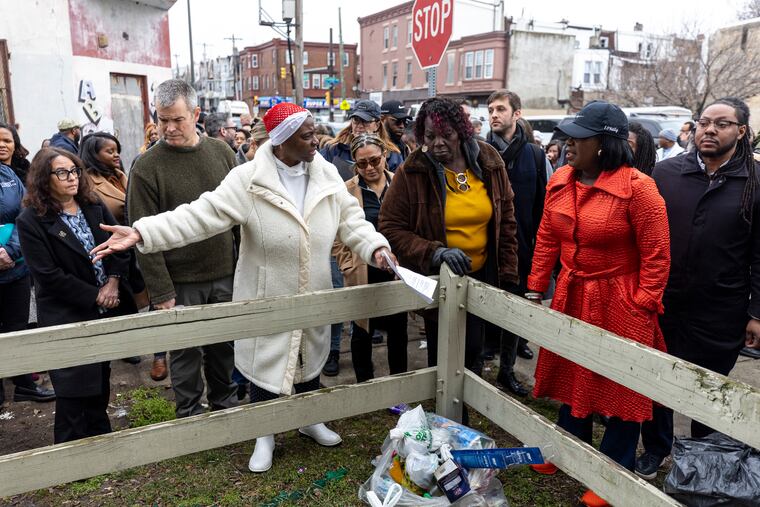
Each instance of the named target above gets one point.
<point>432,22</point>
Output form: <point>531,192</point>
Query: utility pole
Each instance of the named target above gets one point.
<point>190,32</point>
<point>340,59</point>
<point>176,62</point>
<point>235,65</point>
<point>298,91</point>
<point>331,72</point>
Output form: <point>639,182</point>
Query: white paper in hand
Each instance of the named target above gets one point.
<point>420,284</point>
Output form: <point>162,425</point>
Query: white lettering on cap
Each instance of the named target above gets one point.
<point>611,129</point>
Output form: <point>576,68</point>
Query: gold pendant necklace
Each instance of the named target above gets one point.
<point>461,179</point>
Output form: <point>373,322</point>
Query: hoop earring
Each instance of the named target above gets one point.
<point>599,153</point>
<point>424,148</point>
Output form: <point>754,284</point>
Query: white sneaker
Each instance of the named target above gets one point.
<point>261,459</point>
<point>321,434</point>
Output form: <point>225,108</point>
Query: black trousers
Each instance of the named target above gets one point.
<point>84,416</point>
<point>657,434</point>
<point>619,441</point>
<point>14,316</point>
<point>361,340</point>
<point>261,394</point>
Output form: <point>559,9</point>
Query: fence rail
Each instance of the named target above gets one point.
<point>729,406</point>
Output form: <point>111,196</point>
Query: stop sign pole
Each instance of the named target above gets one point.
<point>432,26</point>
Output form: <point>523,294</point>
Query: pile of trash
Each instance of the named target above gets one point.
<point>432,461</point>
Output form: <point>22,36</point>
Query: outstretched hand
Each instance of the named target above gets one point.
<point>122,238</point>
<point>380,260</point>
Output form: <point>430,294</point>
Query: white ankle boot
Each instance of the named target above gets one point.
<point>321,434</point>
<point>261,459</point>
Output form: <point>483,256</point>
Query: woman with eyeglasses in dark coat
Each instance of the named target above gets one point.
<point>57,229</point>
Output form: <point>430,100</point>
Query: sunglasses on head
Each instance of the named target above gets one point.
<point>374,162</point>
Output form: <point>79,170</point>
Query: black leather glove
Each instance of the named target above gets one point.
<point>455,258</point>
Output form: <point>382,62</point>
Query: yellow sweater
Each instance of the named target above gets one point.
<point>466,216</point>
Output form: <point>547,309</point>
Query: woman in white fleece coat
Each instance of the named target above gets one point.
<point>289,216</point>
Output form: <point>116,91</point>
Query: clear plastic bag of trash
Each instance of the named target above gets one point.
<point>714,470</point>
<point>487,491</point>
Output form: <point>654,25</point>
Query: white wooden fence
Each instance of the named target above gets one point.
<point>729,406</point>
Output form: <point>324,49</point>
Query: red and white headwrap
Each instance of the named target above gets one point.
<point>283,120</point>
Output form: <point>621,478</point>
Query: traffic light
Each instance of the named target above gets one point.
<point>327,97</point>
<point>255,100</point>
<point>282,72</point>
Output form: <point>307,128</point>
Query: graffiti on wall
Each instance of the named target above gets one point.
<point>92,110</point>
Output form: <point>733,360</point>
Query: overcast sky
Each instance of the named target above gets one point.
<point>213,21</point>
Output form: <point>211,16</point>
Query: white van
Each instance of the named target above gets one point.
<point>234,108</point>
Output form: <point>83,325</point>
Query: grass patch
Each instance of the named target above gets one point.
<point>147,406</point>
<point>87,486</point>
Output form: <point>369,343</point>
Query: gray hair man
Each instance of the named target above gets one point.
<point>177,170</point>
<point>221,126</point>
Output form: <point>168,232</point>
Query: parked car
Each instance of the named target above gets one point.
<point>544,125</point>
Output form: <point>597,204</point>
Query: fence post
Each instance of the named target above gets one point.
<point>452,318</point>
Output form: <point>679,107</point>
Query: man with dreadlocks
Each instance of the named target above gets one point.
<point>711,198</point>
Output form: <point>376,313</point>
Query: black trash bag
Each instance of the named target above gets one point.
<point>714,470</point>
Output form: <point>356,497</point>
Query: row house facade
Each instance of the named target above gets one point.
<point>265,76</point>
<point>473,66</point>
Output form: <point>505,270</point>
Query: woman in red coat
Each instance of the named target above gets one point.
<point>607,224</point>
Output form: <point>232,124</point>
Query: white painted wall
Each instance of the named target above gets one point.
<point>580,57</point>
<point>39,41</point>
<point>98,72</point>
<point>45,77</point>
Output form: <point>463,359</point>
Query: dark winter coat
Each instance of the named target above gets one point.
<point>65,284</point>
<point>412,215</point>
<point>715,254</point>
<point>11,194</point>
<point>526,168</point>
<point>60,140</point>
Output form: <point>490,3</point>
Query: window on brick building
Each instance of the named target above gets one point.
<point>469,58</point>
<point>395,36</point>
<point>385,76</point>
<point>394,74</point>
<point>488,69</point>
<point>386,36</point>
<point>409,73</point>
<point>255,61</point>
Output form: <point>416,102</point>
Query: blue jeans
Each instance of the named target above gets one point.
<point>336,330</point>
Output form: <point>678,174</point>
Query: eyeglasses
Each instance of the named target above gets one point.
<point>63,174</point>
<point>361,121</point>
<point>374,162</point>
<point>703,123</point>
<point>401,122</point>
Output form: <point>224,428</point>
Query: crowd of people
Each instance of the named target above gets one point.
<point>655,245</point>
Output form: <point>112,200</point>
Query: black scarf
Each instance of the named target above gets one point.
<point>509,151</point>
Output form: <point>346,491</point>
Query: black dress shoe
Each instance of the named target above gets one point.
<point>524,351</point>
<point>512,384</point>
<point>332,366</point>
<point>749,352</point>
<point>35,393</point>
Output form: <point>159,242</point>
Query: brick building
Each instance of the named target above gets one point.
<point>472,67</point>
<point>261,73</point>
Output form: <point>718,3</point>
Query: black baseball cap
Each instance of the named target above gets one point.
<point>597,118</point>
<point>394,108</point>
<point>367,110</point>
